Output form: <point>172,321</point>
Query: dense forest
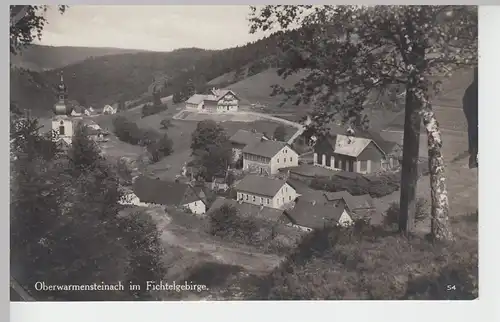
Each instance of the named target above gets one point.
<point>41,58</point>
<point>97,81</point>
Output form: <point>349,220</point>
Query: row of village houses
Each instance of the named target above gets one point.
<point>267,190</point>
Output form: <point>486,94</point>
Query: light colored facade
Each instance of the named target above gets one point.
<point>218,101</point>
<point>285,195</point>
<point>197,207</point>
<point>270,165</point>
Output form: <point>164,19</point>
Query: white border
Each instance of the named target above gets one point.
<point>479,310</point>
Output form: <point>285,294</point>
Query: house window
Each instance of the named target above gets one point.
<point>284,160</point>
<point>253,198</point>
<point>285,150</point>
<point>267,201</point>
<point>363,166</point>
<point>246,197</point>
<point>261,200</point>
<point>61,130</point>
<point>289,197</point>
<point>290,159</point>
<point>278,160</point>
<point>283,199</point>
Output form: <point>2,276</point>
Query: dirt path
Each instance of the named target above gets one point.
<point>192,241</point>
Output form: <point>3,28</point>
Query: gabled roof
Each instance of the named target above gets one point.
<point>247,210</point>
<point>314,214</point>
<point>265,148</point>
<point>260,185</point>
<point>353,202</point>
<point>385,145</point>
<point>245,137</point>
<point>196,99</point>
<point>220,93</point>
<point>161,192</point>
<point>350,145</point>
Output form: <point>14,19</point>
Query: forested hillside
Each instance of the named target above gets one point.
<point>40,58</point>
<point>105,80</point>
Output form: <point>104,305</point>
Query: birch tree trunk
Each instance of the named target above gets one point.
<point>440,223</point>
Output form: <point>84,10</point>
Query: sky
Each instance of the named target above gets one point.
<point>157,28</point>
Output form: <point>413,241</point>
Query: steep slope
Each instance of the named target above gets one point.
<point>40,58</point>
<point>107,79</point>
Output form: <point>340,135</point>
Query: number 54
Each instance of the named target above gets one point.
<point>451,287</point>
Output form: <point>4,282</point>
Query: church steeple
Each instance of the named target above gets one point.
<point>61,107</point>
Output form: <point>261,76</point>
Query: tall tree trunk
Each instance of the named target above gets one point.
<point>440,224</point>
<point>409,168</point>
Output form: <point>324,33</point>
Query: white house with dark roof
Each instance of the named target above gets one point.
<point>241,139</point>
<point>195,102</point>
<point>351,153</point>
<point>267,157</point>
<point>265,191</point>
<point>315,214</point>
<point>148,191</point>
<point>218,100</point>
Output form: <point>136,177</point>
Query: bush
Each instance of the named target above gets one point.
<point>421,212</point>
<point>375,186</point>
<point>364,263</point>
<point>227,224</point>
<point>166,123</point>
<point>148,109</point>
<point>160,148</point>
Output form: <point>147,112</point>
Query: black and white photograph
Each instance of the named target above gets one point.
<point>244,152</point>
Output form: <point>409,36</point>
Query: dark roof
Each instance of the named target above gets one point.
<point>265,148</point>
<point>353,202</point>
<point>260,185</point>
<point>245,137</point>
<point>161,192</point>
<point>247,210</point>
<point>314,214</point>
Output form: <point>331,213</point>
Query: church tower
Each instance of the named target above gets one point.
<point>62,123</point>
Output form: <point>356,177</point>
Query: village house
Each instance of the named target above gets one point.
<point>358,207</point>
<point>265,191</point>
<point>352,154</point>
<point>267,157</point>
<point>315,214</point>
<point>217,101</point>
<point>219,184</point>
<point>195,102</point>
<point>108,109</point>
<point>247,210</point>
<point>148,191</point>
<point>241,139</point>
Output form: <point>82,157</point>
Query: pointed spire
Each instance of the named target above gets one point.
<point>62,77</point>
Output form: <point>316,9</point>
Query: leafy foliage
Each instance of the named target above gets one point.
<point>280,133</point>
<point>379,186</point>
<point>226,223</point>
<point>160,148</point>
<point>353,52</point>
<point>369,263</point>
<point>65,228</point>
<point>211,149</point>
<point>392,214</point>
<point>26,23</point>
<point>143,240</point>
<point>166,123</point>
